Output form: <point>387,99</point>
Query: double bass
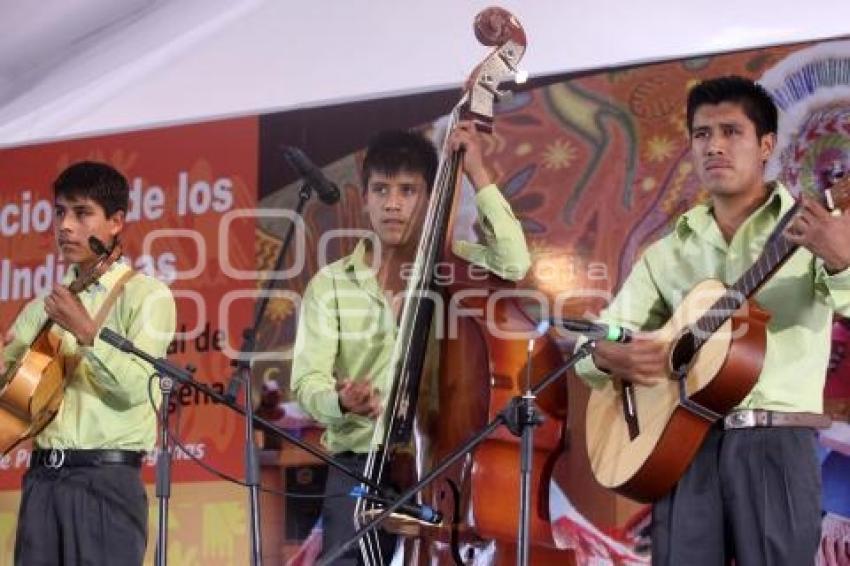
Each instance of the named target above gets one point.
<point>480,370</point>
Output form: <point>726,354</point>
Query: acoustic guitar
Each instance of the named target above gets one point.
<point>31,397</point>
<point>641,439</point>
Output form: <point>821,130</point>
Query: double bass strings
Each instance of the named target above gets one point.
<point>418,288</point>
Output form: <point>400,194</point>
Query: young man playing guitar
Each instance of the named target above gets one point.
<point>752,493</point>
<point>83,500</point>
<point>349,313</point>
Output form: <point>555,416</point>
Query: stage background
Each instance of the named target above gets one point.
<point>595,166</point>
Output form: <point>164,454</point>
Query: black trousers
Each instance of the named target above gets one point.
<point>88,515</point>
<point>750,494</point>
<point>338,514</point>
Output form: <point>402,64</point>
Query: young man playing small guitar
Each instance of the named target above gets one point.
<point>83,500</point>
<point>752,493</point>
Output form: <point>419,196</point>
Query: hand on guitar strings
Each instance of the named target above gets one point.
<point>359,397</point>
<point>822,233</point>
<point>642,361</point>
<point>7,338</point>
<point>65,309</point>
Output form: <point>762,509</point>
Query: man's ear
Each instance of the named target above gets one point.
<point>116,222</point>
<point>767,144</point>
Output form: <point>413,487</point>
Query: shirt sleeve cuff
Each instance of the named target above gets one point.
<point>327,402</point>
<point>90,352</point>
<point>94,353</point>
<point>490,198</point>
<point>840,280</point>
<point>590,373</point>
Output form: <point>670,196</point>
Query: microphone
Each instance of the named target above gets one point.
<point>593,330</point>
<point>421,512</point>
<point>114,339</point>
<point>328,192</point>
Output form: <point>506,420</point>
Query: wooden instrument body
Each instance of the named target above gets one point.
<point>31,397</point>
<point>726,366</point>
<point>480,373</point>
<point>36,386</point>
<point>480,370</point>
<point>721,375</point>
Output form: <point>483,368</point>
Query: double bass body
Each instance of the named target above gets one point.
<point>479,374</point>
<point>483,364</point>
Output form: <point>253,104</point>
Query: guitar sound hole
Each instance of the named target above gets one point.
<point>683,352</point>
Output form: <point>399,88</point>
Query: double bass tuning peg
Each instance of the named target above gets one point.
<point>520,76</point>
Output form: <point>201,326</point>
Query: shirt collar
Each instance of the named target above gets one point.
<point>697,219</point>
<point>355,263</point>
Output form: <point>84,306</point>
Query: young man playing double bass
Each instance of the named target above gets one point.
<point>349,314</point>
<point>83,500</point>
<point>752,493</point>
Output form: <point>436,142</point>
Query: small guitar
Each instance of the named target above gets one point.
<point>32,395</point>
<point>641,439</point>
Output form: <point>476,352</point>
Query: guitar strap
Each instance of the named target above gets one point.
<point>71,362</point>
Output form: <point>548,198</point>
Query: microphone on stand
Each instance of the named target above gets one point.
<point>608,333</point>
<point>116,340</point>
<point>414,510</point>
<point>593,330</point>
<point>327,191</point>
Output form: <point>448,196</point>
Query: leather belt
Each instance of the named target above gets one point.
<point>752,418</point>
<point>56,458</point>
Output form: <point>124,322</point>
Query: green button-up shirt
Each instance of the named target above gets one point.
<point>106,402</point>
<point>346,326</point>
<point>801,298</point>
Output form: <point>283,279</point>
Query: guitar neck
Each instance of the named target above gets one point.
<point>776,252</point>
<point>45,328</point>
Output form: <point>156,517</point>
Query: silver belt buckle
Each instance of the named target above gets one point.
<point>55,458</point>
<point>740,419</point>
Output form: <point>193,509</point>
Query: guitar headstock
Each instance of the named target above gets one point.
<point>498,28</point>
<point>106,257</point>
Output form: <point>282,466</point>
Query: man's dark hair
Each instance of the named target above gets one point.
<point>753,98</point>
<point>393,151</point>
<point>97,181</point>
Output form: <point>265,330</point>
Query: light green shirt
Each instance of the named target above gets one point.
<point>346,327</point>
<point>801,298</point>
<point>106,403</point>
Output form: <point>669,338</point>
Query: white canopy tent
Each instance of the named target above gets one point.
<point>74,67</point>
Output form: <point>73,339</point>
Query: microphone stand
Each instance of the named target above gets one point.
<point>163,471</point>
<point>242,376</point>
<point>527,418</point>
<point>519,417</point>
<point>163,366</point>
